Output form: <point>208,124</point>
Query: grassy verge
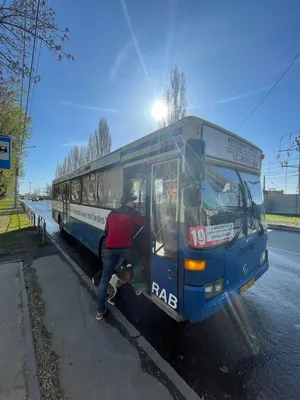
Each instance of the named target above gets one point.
<point>283,220</point>
<point>12,219</point>
<point>7,204</point>
<point>16,231</point>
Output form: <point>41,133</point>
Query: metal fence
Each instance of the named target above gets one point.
<point>37,221</point>
<point>288,204</point>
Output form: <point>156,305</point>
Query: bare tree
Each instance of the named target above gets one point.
<point>58,171</point>
<point>175,97</point>
<point>82,156</point>
<point>102,139</point>
<point>91,148</point>
<point>74,158</point>
<point>20,22</point>
<point>48,189</point>
<point>99,145</point>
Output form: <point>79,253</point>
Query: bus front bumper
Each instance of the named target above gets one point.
<point>197,308</point>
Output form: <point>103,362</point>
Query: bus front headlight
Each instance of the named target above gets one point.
<point>262,257</point>
<point>212,289</point>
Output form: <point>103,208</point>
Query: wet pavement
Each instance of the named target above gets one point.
<point>250,350</point>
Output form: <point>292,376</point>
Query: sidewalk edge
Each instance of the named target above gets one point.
<point>283,228</point>
<point>33,380</point>
<point>164,366</point>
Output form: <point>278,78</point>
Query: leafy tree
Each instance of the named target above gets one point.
<point>175,97</point>
<point>20,22</point>
<point>12,125</point>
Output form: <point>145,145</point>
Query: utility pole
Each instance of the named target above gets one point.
<point>285,164</point>
<point>298,149</point>
<point>16,187</point>
<point>30,187</point>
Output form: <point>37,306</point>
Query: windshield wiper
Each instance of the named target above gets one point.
<point>234,239</point>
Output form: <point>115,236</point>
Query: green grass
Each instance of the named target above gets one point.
<point>283,220</point>
<point>18,238</point>
<point>12,219</point>
<point>20,241</point>
<point>8,204</point>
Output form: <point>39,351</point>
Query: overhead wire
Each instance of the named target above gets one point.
<point>30,73</point>
<point>34,83</point>
<point>269,92</point>
<point>23,61</point>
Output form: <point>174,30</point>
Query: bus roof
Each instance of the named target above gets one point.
<point>137,149</point>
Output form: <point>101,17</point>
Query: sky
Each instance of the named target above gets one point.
<point>231,52</point>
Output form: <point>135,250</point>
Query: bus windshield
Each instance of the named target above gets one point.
<point>231,204</point>
<point>254,200</point>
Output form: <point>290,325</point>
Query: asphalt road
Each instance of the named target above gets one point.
<point>250,350</point>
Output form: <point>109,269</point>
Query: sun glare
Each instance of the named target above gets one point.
<point>159,110</point>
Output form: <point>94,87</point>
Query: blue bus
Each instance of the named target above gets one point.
<point>198,186</point>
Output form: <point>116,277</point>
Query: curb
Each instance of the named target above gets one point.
<point>32,377</point>
<point>287,228</point>
<point>162,364</point>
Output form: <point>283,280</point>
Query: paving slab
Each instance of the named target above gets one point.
<point>96,360</point>
<point>18,380</point>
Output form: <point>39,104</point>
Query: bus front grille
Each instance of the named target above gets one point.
<point>245,249</point>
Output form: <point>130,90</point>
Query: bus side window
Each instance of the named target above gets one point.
<point>55,192</point>
<point>85,189</point>
<point>135,182</point>
<point>58,190</point>
<point>109,187</point>
<point>75,191</point>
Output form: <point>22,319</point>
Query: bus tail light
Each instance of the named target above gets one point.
<point>212,289</point>
<point>194,265</point>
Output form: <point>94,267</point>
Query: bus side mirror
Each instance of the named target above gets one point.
<point>191,197</point>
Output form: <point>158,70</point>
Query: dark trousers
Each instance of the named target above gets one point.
<point>111,261</point>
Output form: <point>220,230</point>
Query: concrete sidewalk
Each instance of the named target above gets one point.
<point>18,380</point>
<point>95,359</point>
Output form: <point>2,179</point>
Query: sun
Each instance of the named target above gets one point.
<point>159,110</point>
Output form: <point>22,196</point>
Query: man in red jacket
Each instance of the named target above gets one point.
<point>121,225</point>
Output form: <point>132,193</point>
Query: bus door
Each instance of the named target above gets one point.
<point>136,180</point>
<point>164,235</point>
<point>66,204</point>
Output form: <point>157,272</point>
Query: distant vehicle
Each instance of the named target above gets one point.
<point>35,199</point>
<point>198,187</point>
<point>22,197</point>
<point>3,149</point>
<point>40,198</point>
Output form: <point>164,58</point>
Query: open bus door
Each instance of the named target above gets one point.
<point>164,270</point>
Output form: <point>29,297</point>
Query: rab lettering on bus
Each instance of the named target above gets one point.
<point>169,299</point>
